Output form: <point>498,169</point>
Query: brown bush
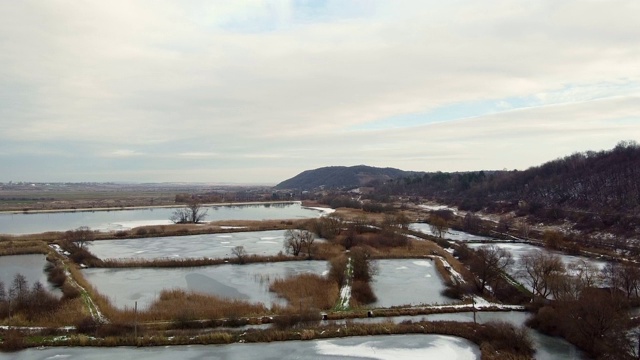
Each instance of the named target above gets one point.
<point>297,319</point>
<point>307,291</point>
<point>69,292</point>
<point>362,293</point>
<point>12,340</point>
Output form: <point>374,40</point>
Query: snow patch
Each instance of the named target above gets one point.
<point>423,263</point>
<point>442,347</point>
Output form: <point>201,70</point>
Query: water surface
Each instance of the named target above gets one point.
<point>408,282</point>
<point>192,246</point>
<point>243,282</point>
<point>113,220</point>
<point>370,347</point>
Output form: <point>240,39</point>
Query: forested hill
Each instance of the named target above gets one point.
<point>342,177</point>
<point>600,182</point>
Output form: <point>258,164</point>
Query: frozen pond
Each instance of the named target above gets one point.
<point>451,234</point>
<point>244,282</point>
<point>408,282</point>
<point>369,347</point>
<point>547,347</point>
<point>193,246</point>
<point>31,266</point>
<point>518,249</point>
<point>114,220</point>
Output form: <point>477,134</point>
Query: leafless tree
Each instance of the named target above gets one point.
<point>625,277</point>
<point>240,253</point>
<point>295,241</point>
<point>80,236</point>
<point>438,225</point>
<point>540,271</point>
<point>488,263</point>
<point>192,214</point>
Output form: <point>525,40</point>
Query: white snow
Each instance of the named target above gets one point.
<point>423,263</point>
<point>442,347</point>
<point>323,210</point>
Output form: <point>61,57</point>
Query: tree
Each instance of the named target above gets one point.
<point>297,240</point>
<point>488,263</point>
<point>471,222</point>
<point>362,266</point>
<point>438,225</point>
<point>192,214</point>
<point>240,253</point>
<point>625,277</point>
<point>580,276</point>
<point>540,271</point>
<point>80,236</point>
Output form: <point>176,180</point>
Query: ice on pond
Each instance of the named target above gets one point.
<point>407,282</point>
<point>192,246</point>
<point>243,282</point>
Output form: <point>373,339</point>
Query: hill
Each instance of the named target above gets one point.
<point>589,181</point>
<point>342,177</point>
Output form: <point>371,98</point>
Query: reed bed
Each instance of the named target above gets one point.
<point>14,247</point>
<point>307,291</point>
<point>183,306</point>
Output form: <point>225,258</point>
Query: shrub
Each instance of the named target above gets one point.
<point>362,293</point>
<point>13,340</point>
<point>292,320</point>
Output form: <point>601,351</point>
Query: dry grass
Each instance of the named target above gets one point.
<point>307,291</point>
<point>180,305</point>
<point>16,247</point>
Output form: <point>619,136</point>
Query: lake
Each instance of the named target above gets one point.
<point>121,219</point>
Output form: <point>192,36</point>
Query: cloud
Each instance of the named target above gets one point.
<point>249,82</point>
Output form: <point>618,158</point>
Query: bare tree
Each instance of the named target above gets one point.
<point>297,240</point>
<point>580,276</point>
<point>192,214</point>
<point>625,277</point>
<point>471,222</point>
<point>488,263</point>
<point>240,253</point>
<point>540,270</point>
<point>438,225</point>
<point>80,236</point>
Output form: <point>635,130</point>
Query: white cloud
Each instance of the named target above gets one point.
<point>249,81</point>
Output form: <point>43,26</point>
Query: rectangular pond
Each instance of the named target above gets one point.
<point>367,347</point>
<point>243,282</point>
<point>121,219</point>
<point>408,282</point>
<point>192,246</point>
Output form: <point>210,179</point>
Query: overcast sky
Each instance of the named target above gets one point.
<point>256,92</point>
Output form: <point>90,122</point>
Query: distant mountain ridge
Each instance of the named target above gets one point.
<point>342,177</point>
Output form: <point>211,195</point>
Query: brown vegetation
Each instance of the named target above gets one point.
<point>307,291</point>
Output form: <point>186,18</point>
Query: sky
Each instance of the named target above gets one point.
<point>259,91</point>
